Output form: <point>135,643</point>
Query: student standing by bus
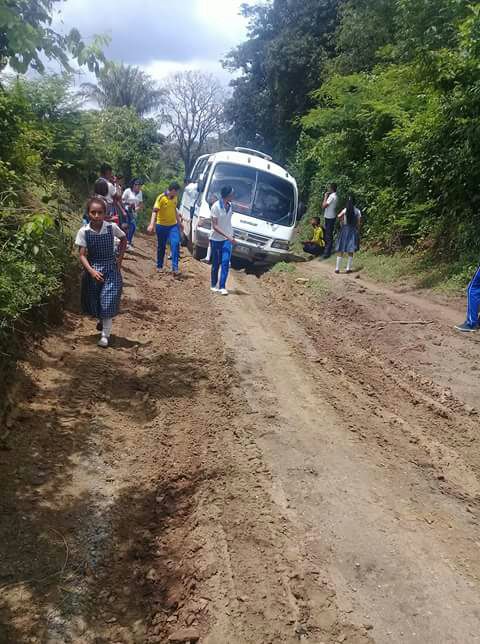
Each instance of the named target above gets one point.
<point>330,200</point>
<point>166,221</point>
<point>221,240</point>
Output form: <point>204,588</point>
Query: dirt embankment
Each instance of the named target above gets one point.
<point>268,467</point>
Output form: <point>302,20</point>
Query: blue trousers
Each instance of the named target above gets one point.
<point>132,227</point>
<point>172,235</point>
<point>221,255</point>
<point>473,299</point>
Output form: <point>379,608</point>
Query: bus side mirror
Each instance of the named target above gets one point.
<point>302,209</point>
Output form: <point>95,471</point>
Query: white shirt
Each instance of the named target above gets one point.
<point>112,191</point>
<point>81,238</point>
<point>132,198</point>
<point>224,221</point>
<point>331,209</point>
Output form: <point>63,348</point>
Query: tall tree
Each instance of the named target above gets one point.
<point>281,63</point>
<point>122,85</point>
<point>26,36</point>
<point>194,110</point>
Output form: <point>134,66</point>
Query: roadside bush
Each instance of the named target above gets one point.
<point>36,254</point>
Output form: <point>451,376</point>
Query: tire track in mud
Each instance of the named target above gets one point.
<point>144,459</point>
<point>385,447</point>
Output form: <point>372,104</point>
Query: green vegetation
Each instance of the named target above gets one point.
<point>51,149</point>
<point>26,38</point>
<point>318,287</point>
<point>122,85</point>
<point>284,267</point>
<point>381,96</point>
<point>420,270</point>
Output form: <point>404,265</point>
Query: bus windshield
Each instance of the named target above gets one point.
<point>256,193</point>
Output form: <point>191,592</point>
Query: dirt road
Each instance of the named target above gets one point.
<point>291,463</point>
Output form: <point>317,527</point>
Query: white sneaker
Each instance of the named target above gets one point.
<point>223,291</point>
<point>103,342</point>
<point>214,289</point>
<point>129,247</point>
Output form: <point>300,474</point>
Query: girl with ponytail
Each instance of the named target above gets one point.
<point>349,238</point>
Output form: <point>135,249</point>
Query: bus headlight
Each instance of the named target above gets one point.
<point>280,244</point>
<point>205,222</point>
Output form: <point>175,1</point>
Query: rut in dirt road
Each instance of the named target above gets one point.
<point>140,504</point>
<point>254,469</point>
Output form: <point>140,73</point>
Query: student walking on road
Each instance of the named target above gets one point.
<point>330,200</point>
<point>472,323</point>
<point>349,238</point>
<point>167,223</point>
<point>133,201</point>
<point>106,176</point>
<point>221,240</point>
<point>102,281</point>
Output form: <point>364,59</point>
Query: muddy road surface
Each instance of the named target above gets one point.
<point>297,462</point>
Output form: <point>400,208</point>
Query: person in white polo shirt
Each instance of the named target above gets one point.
<point>221,240</point>
<point>330,201</point>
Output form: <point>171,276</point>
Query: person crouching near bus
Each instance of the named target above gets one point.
<point>167,222</point>
<point>316,245</point>
<point>222,240</point>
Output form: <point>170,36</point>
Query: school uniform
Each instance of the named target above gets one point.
<point>132,201</point>
<point>221,246</point>
<point>101,299</point>
<point>330,217</point>
<point>349,238</point>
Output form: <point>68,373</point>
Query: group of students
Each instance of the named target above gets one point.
<point>107,233</point>
<point>166,222</point>
<point>109,228</point>
<point>123,205</point>
<point>348,241</point>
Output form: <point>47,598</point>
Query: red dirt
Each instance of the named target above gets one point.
<point>275,466</point>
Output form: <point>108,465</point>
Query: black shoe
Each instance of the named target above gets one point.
<point>99,326</point>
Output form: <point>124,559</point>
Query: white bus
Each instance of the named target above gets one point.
<point>265,205</point>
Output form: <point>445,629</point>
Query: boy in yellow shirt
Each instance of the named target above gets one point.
<point>316,245</point>
<point>167,223</point>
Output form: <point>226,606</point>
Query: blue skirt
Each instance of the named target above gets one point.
<point>348,240</point>
<point>102,299</point>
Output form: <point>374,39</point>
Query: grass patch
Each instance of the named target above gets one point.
<point>284,267</point>
<point>318,287</point>
<point>420,270</point>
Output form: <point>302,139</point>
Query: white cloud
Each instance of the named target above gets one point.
<point>159,35</point>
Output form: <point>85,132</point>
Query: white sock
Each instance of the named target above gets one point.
<point>339,263</point>
<point>350,263</point>
<point>107,327</point>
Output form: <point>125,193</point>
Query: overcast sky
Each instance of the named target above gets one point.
<point>161,36</point>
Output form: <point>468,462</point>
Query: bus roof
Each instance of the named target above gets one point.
<point>254,161</point>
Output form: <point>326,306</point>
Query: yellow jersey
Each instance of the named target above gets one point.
<point>166,210</point>
<point>318,236</point>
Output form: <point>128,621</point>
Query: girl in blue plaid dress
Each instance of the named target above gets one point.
<point>102,279</point>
